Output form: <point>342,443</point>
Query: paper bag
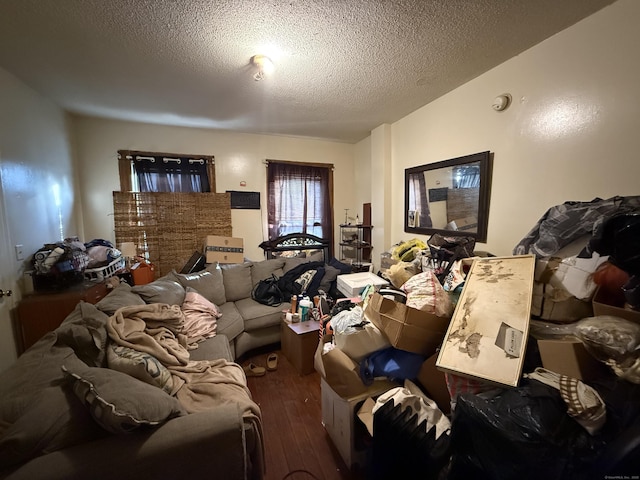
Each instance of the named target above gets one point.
<point>339,371</point>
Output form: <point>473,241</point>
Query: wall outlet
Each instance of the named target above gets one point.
<point>19,252</point>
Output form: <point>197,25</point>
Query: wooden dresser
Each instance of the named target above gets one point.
<point>42,312</point>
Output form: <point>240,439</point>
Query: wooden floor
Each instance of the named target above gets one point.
<point>292,421</point>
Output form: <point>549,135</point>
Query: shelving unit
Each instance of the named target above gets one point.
<point>355,245</point>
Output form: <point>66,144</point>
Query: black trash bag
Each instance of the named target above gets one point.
<point>267,292</point>
<point>402,448</point>
<point>618,237</point>
<point>521,433</point>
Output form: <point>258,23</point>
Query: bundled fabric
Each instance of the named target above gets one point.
<point>584,403</point>
<point>619,237</point>
<point>563,224</point>
<point>393,363</point>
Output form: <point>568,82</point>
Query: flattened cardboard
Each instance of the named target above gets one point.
<point>487,335</point>
<point>570,358</point>
<point>434,384</point>
<point>406,328</point>
<point>604,306</point>
<point>224,249</point>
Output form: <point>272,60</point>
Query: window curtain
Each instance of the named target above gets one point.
<point>162,174</point>
<point>418,200</point>
<point>299,199</point>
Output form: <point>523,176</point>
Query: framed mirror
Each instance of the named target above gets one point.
<point>449,197</point>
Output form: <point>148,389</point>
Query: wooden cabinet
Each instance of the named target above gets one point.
<point>43,312</point>
<point>355,246</point>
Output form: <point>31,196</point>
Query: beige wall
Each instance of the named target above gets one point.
<point>571,133</point>
<point>38,189</point>
<point>239,157</point>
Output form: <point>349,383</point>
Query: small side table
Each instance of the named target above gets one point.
<point>299,342</point>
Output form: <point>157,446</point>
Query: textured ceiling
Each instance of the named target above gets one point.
<point>342,67</point>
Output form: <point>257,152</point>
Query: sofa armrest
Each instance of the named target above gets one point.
<point>192,446</point>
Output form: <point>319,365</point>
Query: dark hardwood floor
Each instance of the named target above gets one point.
<point>294,436</point>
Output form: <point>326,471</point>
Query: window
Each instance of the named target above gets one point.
<point>300,199</point>
<point>165,172</point>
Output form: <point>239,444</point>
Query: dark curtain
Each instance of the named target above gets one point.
<point>161,174</point>
<point>299,199</point>
<point>419,202</point>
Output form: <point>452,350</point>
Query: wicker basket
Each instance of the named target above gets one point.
<point>102,273</point>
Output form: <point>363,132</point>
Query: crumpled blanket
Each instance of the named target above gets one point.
<point>128,326</point>
<point>198,385</point>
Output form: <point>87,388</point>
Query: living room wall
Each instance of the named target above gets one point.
<point>571,133</point>
<point>37,189</point>
<point>239,157</point>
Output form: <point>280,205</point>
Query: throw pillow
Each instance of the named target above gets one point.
<point>343,267</point>
<point>121,296</point>
<point>140,365</point>
<point>237,281</point>
<point>166,289</point>
<point>293,262</point>
<point>200,315</point>
<point>120,403</point>
<point>264,269</point>
<point>330,276</point>
<point>207,282</point>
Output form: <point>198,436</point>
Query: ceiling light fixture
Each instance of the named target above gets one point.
<point>263,65</point>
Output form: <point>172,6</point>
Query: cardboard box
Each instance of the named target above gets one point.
<point>344,428</point>
<point>556,304</point>
<point>434,384</point>
<point>351,284</point>
<point>569,357</point>
<point>604,305</point>
<point>405,327</point>
<point>299,342</point>
<point>224,249</point>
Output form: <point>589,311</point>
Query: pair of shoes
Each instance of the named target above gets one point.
<point>272,362</point>
<point>253,370</point>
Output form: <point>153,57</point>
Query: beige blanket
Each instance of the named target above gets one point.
<point>151,328</point>
<point>157,329</point>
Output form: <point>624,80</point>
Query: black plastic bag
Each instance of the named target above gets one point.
<point>267,292</point>
<point>521,433</point>
<point>619,237</point>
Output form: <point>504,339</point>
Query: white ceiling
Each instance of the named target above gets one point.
<point>343,67</point>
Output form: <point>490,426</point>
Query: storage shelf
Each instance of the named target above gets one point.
<point>355,244</point>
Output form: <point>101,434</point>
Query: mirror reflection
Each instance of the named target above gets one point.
<point>449,197</point>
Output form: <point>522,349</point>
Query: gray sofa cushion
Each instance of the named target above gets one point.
<point>118,402</point>
<point>207,283</point>
<point>265,268</point>
<point>231,323</point>
<point>259,316</point>
<point>166,289</point>
<point>37,413</point>
<point>119,297</point>
<point>292,262</point>
<point>212,349</point>
<point>237,281</point>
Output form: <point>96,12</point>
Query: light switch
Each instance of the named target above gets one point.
<point>19,253</point>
